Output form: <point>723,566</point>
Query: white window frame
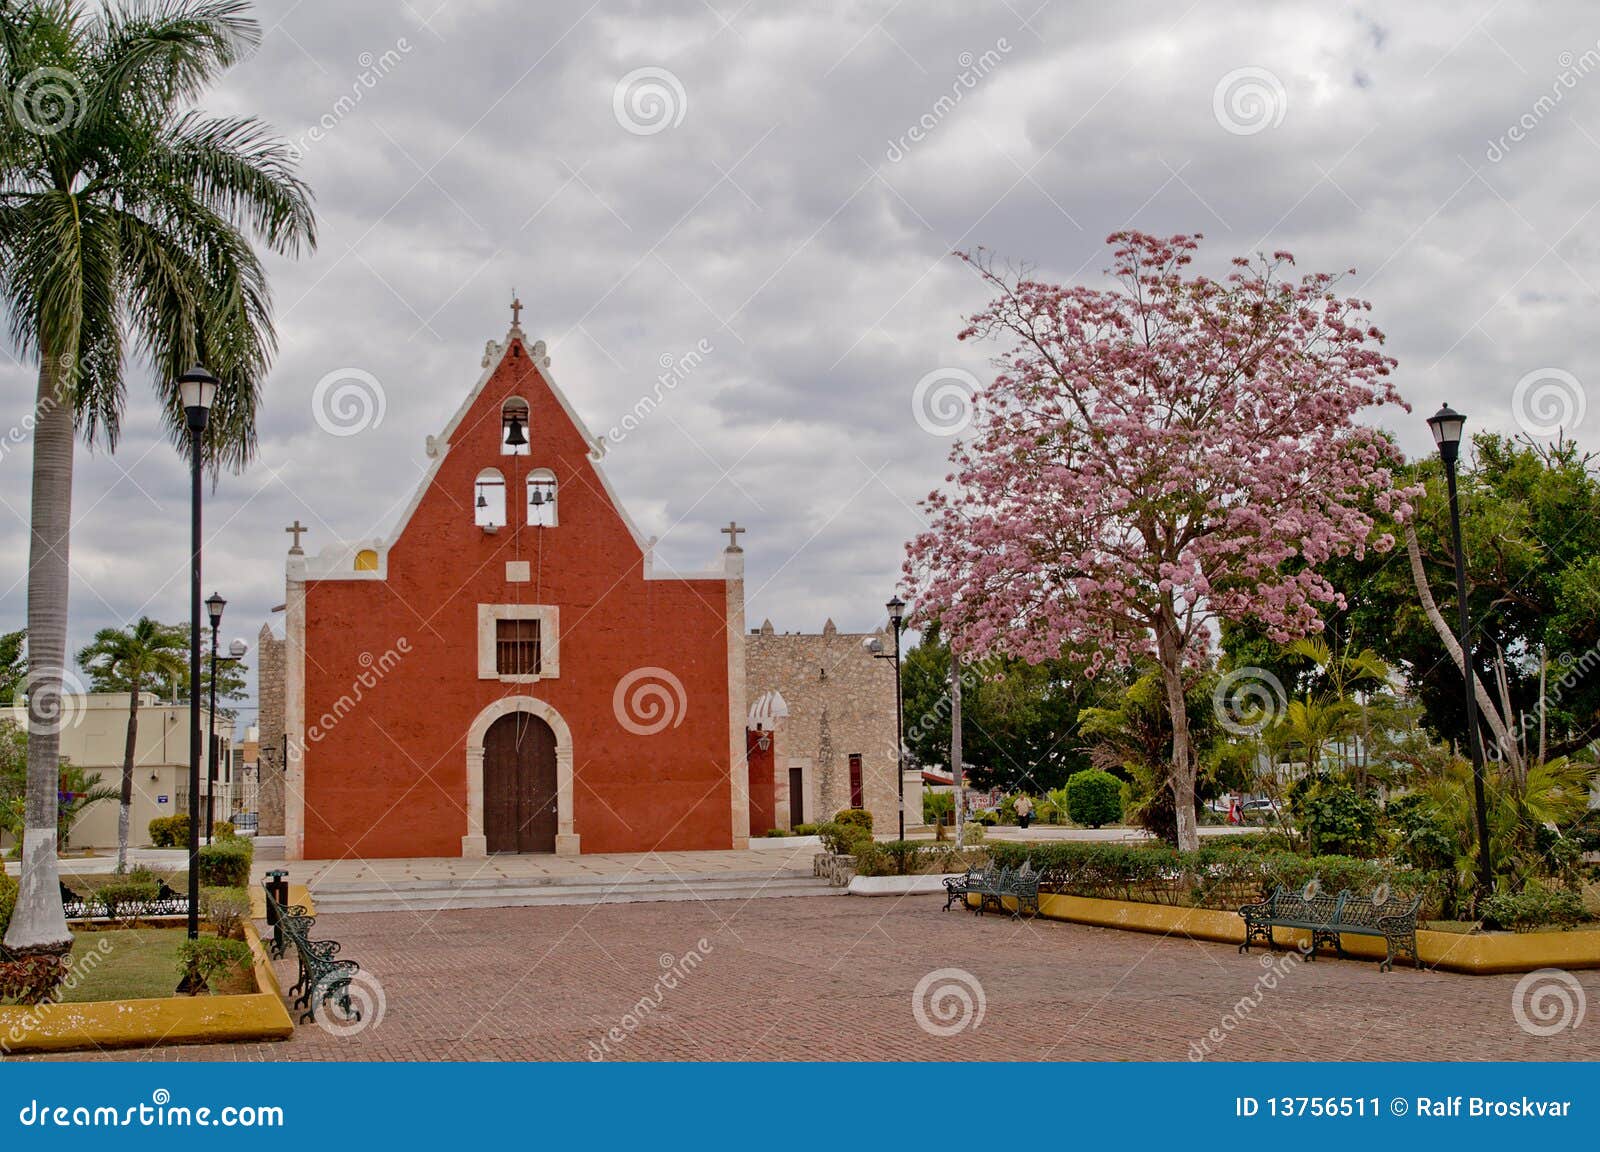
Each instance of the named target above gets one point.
<point>548,616</point>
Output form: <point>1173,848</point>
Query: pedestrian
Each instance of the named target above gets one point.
<point>1024,810</point>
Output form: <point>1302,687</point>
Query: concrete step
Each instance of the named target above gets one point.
<point>503,892</point>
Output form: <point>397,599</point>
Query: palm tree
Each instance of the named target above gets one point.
<point>124,217</point>
<point>125,659</point>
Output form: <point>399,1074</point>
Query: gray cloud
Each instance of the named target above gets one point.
<point>772,223</point>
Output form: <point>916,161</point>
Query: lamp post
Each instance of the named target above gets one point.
<point>1447,425</point>
<point>897,615</point>
<point>198,388</point>
<point>236,650</point>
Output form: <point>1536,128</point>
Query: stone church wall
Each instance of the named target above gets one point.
<point>841,701</point>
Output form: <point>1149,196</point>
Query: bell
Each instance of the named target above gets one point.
<point>514,434</point>
<point>482,502</point>
<point>538,496</point>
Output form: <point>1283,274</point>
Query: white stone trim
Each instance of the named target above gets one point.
<point>738,707</point>
<point>549,617</point>
<point>294,707</point>
<point>475,843</point>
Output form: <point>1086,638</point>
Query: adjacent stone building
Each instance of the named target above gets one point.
<point>831,725</point>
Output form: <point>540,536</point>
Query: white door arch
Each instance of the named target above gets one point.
<point>474,844</point>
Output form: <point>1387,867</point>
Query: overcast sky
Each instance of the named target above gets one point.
<point>783,182</point>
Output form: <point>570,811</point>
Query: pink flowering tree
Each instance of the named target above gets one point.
<point>1152,458</point>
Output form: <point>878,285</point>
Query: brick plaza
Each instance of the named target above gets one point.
<point>832,978</point>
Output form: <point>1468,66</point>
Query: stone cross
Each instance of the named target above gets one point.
<point>733,532</point>
<point>516,311</point>
<point>295,530</point>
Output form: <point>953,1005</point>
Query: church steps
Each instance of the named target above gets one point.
<point>503,892</point>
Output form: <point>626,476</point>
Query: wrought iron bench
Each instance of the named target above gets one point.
<point>96,907</point>
<point>323,977</point>
<point>959,887</point>
<point>1329,917</point>
<point>1021,884</point>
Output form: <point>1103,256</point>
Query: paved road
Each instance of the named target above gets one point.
<point>834,979</point>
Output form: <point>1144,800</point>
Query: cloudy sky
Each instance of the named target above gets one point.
<point>785,182</point>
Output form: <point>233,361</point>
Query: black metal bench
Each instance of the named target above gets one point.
<point>959,887</point>
<point>1020,884</point>
<point>324,977</point>
<point>1329,917</point>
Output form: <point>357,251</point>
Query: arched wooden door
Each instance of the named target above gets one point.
<point>519,785</point>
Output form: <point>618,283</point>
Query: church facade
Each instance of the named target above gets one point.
<point>509,671</point>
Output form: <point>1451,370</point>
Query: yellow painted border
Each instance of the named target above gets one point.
<point>260,1015</point>
<point>1480,954</point>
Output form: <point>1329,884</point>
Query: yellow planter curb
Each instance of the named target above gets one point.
<point>298,894</point>
<point>1481,954</point>
<point>139,1023</point>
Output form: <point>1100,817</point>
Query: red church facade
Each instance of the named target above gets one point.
<point>508,672</point>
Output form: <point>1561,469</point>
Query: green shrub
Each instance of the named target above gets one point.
<point>209,959</point>
<point>972,832</point>
<point>806,829</point>
<point>985,816</point>
<point>1421,835</point>
<point>169,831</point>
<point>1536,906</point>
<point>843,839</point>
<point>913,858</point>
<point>225,863</point>
<point>8,900</point>
<point>1094,798</point>
<point>1333,816</point>
<point>1056,801</point>
<point>221,829</point>
<point>120,894</point>
<point>226,909</point>
<point>858,817</point>
<point>937,807</point>
<point>1216,876</point>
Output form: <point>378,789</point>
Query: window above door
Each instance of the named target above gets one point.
<point>518,643</point>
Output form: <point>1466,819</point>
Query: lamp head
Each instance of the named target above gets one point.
<point>897,611</point>
<point>1447,425</point>
<point>198,390</point>
<point>214,605</point>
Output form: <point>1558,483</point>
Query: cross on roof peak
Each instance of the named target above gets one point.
<point>733,532</point>
<point>516,311</point>
<point>296,530</point>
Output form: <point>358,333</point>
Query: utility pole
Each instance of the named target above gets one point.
<point>955,748</point>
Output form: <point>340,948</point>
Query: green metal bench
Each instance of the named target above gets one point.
<point>960,887</point>
<point>1330,917</point>
<point>324,977</point>
<point>1021,884</point>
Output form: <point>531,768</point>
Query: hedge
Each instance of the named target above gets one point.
<point>225,863</point>
<point>1216,876</point>
<point>913,858</point>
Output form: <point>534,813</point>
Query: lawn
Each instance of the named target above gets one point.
<point>132,964</point>
<point>88,884</point>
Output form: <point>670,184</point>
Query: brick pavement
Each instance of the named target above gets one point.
<point>833,979</point>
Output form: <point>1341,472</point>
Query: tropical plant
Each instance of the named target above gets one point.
<point>125,218</point>
<point>206,961</point>
<point>13,664</point>
<point>127,660</point>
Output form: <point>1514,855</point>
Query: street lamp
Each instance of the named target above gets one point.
<point>236,650</point>
<point>897,614</point>
<point>1447,425</point>
<point>197,388</point>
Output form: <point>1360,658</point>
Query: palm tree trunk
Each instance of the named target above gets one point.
<point>38,923</point>
<point>127,776</point>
